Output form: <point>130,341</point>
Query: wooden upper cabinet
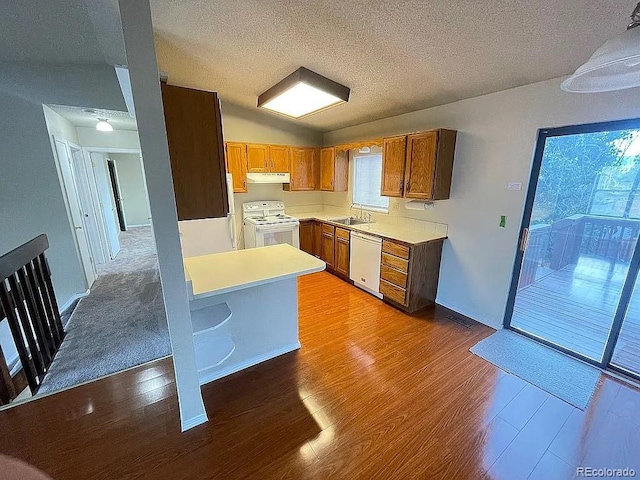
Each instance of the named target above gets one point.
<point>421,165</point>
<point>426,167</point>
<point>237,165</point>
<point>304,169</point>
<point>327,168</point>
<point>334,170</point>
<point>393,164</point>
<point>196,148</point>
<point>257,158</point>
<point>279,156</point>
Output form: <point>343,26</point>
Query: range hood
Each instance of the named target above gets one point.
<point>268,178</point>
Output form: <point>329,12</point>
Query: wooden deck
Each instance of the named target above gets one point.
<point>574,307</point>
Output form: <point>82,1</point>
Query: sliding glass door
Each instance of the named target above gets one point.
<point>576,268</point>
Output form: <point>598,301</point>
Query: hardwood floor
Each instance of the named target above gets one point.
<point>372,394</point>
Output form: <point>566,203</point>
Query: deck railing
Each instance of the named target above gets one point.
<point>562,243</point>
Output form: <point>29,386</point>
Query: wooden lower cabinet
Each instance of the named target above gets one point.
<point>307,236</point>
<point>327,250</point>
<point>334,248</point>
<point>409,274</point>
<point>341,262</point>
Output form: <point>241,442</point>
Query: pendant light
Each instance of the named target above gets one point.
<point>614,66</point>
<point>103,125</point>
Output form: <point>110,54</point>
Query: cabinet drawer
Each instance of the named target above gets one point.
<point>329,229</point>
<point>394,276</point>
<point>342,233</point>
<point>395,262</point>
<point>395,249</point>
<point>391,291</point>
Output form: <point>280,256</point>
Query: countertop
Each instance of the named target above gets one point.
<point>385,230</point>
<point>239,269</point>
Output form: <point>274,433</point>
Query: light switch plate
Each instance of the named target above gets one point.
<point>514,186</point>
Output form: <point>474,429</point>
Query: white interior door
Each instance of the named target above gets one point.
<point>106,202</point>
<point>90,220</point>
<point>75,211</point>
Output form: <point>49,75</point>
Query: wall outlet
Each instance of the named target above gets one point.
<point>395,206</point>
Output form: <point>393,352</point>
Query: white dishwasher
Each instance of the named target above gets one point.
<point>365,262</point>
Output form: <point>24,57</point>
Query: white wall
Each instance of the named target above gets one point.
<point>90,137</point>
<point>31,198</point>
<point>60,127</point>
<point>132,190</point>
<point>496,140</point>
<point>241,124</point>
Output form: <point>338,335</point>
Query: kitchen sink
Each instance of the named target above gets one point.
<point>348,221</point>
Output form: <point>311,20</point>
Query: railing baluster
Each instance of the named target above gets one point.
<point>44,279</point>
<point>16,332</point>
<point>27,327</point>
<point>38,321</point>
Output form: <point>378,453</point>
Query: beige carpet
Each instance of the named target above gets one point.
<point>120,324</point>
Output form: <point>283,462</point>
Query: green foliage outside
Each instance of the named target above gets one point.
<point>574,167</point>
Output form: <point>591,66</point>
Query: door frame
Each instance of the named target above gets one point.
<point>134,151</point>
<point>69,191</point>
<point>117,193</point>
<point>634,264</point>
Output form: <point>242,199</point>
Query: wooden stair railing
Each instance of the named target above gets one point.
<point>28,302</point>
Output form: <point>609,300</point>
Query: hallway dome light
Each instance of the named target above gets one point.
<point>614,66</point>
<point>103,125</point>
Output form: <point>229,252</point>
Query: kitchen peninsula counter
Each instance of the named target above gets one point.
<point>244,306</point>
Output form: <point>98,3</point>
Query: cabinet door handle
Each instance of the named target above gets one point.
<point>406,187</point>
<point>401,186</point>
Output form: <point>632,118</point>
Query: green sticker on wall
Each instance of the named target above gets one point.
<point>503,221</point>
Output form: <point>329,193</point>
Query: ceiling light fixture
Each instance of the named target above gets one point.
<point>103,125</point>
<point>614,66</point>
<point>302,93</point>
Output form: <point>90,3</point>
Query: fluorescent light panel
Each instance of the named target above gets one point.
<point>303,93</point>
<point>301,100</point>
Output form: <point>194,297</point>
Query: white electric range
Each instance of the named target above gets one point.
<point>265,223</point>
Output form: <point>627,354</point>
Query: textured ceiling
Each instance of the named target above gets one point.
<point>396,56</point>
<point>78,117</point>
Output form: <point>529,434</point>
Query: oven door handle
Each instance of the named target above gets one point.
<point>287,227</point>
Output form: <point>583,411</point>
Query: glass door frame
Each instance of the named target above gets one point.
<point>634,264</point>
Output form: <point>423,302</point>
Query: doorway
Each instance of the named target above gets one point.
<point>574,280</point>
<point>115,187</point>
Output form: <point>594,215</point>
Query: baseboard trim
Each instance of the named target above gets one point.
<point>250,362</point>
<point>187,424</point>
<point>74,298</point>
<point>139,225</point>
